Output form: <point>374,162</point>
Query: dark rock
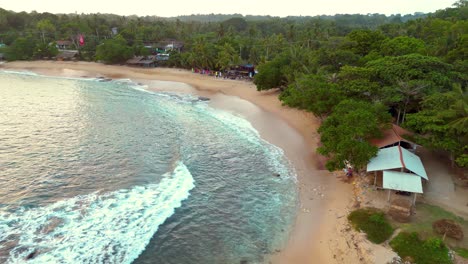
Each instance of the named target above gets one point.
<point>31,255</point>
<point>202,98</point>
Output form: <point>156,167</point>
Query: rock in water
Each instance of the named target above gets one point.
<point>202,98</point>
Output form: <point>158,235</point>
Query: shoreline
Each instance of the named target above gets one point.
<point>323,200</point>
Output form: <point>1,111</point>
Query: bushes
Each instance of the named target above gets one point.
<point>373,223</point>
<point>410,246</point>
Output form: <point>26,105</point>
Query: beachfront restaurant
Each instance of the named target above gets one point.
<point>396,168</point>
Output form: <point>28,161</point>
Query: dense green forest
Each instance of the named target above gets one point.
<point>357,73</point>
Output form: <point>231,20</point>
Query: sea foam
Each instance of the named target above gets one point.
<point>96,228</point>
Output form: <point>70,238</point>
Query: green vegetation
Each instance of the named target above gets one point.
<point>114,51</point>
<point>373,223</point>
<point>425,216</point>
<point>430,251</point>
<point>346,131</point>
<point>345,69</point>
<point>462,252</point>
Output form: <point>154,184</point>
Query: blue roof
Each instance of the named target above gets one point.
<point>407,182</point>
<point>395,158</point>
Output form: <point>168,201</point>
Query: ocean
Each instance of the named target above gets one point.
<point>95,171</point>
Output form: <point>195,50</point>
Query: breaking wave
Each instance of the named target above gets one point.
<point>113,227</point>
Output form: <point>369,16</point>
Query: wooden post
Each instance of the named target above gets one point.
<point>414,198</point>
<point>375,178</point>
<point>389,193</point>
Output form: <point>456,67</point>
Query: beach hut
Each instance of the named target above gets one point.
<point>149,61</point>
<point>399,170</point>
<point>134,61</point>
<point>67,55</point>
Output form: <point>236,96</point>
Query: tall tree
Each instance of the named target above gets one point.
<point>45,26</point>
<point>345,133</point>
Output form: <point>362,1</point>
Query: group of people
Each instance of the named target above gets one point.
<point>217,74</point>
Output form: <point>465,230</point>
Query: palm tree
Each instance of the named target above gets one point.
<point>460,124</point>
<point>409,91</point>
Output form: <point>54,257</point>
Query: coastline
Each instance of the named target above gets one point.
<point>323,199</point>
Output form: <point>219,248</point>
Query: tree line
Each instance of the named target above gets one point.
<point>357,73</point>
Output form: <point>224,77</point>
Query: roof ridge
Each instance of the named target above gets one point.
<point>396,133</point>
<point>401,157</point>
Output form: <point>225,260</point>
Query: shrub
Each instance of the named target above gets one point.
<point>430,251</point>
<point>373,223</point>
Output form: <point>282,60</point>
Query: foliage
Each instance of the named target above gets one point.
<point>114,50</point>
<point>373,223</point>
<point>442,123</point>
<point>44,50</point>
<point>313,93</point>
<point>345,133</point>
<point>270,75</point>
<point>430,251</point>
<point>412,67</point>
<point>403,45</point>
<point>227,57</point>
<point>462,252</point>
<point>366,41</point>
<point>20,49</point>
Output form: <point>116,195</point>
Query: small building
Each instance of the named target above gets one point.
<point>134,61</point>
<point>169,45</point>
<point>396,168</point>
<point>65,55</point>
<point>142,61</point>
<point>162,57</point>
<point>64,44</point>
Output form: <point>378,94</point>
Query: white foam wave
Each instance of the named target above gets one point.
<point>241,126</point>
<point>29,73</point>
<point>109,228</point>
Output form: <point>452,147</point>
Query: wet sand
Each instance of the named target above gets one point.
<point>324,200</point>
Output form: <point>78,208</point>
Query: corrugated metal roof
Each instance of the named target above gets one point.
<point>407,182</point>
<point>386,159</point>
<point>413,163</point>
<point>396,158</point>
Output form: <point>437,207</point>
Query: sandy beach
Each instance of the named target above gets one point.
<point>321,233</point>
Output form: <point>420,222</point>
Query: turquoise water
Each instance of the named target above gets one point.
<point>107,172</point>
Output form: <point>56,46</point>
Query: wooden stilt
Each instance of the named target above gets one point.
<point>414,198</point>
<point>375,178</point>
<point>389,193</point>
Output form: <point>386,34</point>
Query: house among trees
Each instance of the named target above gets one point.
<point>169,45</point>
<point>64,44</point>
<point>395,167</point>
